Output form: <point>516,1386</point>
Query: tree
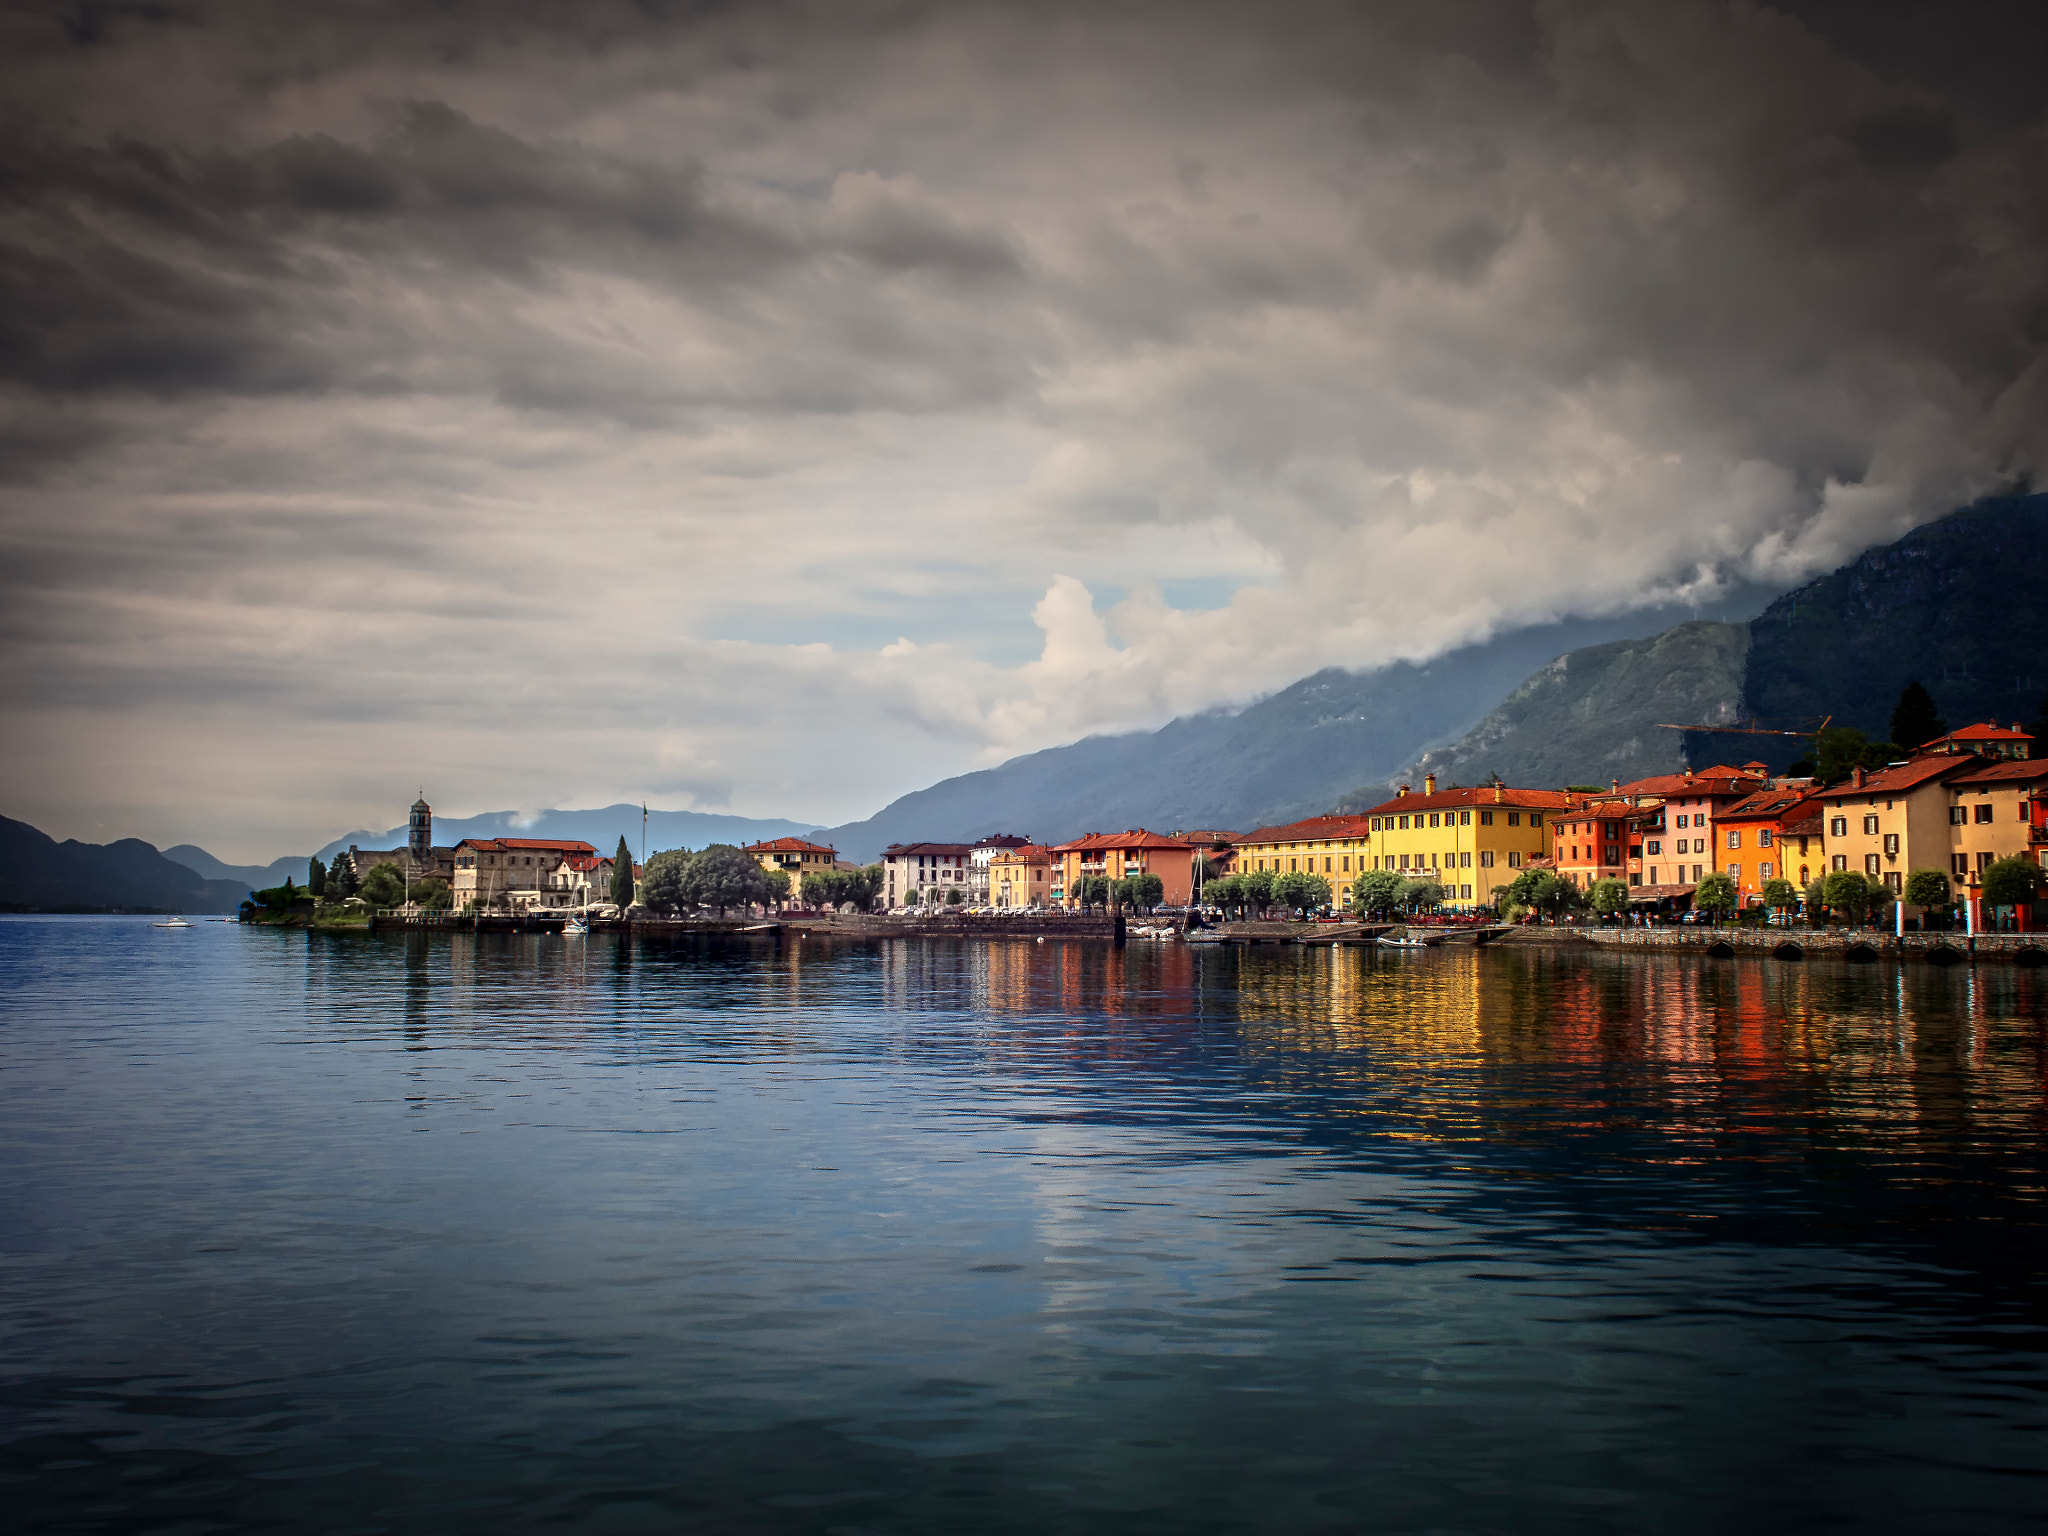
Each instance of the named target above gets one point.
<point>1608,897</point>
<point>433,894</point>
<point>1780,895</point>
<point>1258,890</point>
<point>1301,893</point>
<point>864,886</point>
<point>778,883</point>
<point>341,878</point>
<point>2010,882</point>
<point>383,886</point>
<point>2039,730</point>
<point>1715,894</point>
<point>1377,892</point>
<point>1421,895</point>
<point>661,883</point>
<point>622,876</point>
<point>1847,892</point>
<point>1841,749</point>
<point>952,896</point>
<point>822,887</point>
<point>1816,896</point>
<point>724,877</point>
<point>316,878</point>
<point>1927,888</point>
<point>1142,891</point>
<point>1225,894</point>
<point>1914,720</point>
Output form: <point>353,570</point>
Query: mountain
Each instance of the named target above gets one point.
<point>600,828</point>
<point>1961,604</point>
<point>38,873</point>
<point>1286,756</point>
<point>255,877</point>
<point>1595,714</point>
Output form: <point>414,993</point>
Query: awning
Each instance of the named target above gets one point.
<point>1645,895</point>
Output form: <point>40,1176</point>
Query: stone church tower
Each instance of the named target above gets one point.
<point>420,834</point>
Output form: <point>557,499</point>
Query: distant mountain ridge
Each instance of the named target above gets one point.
<point>1289,755</point>
<point>39,873</point>
<point>601,828</point>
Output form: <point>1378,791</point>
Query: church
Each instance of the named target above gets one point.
<point>419,859</point>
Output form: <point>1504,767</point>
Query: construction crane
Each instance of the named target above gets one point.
<point>1754,728</point>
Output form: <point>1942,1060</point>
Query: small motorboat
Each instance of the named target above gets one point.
<point>176,922</point>
<point>575,928</point>
<point>1387,941</point>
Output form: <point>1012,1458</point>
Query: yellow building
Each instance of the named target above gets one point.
<point>1335,847</point>
<point>792,856</point>
<point>1472,841</point>
<point>1021,877</point>
<point>1892,822</point>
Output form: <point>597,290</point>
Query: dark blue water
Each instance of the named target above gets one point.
<point>475,1235</point>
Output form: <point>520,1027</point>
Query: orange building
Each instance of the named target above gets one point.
<point>1774,835</point>
<point>1605,839</point>
<point>1022,877</point>
<point>1118,854</point>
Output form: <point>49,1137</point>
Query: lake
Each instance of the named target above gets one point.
<point>447,1233</point>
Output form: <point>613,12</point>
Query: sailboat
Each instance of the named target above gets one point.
<point>176,922</point>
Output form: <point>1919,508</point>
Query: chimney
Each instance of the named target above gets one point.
<point>1617,786</point>
<point>1856,777</point>
<point>1404,790</point>
<point>1429,783</point>
<point>1499,792</point>
<point>1688,773</point>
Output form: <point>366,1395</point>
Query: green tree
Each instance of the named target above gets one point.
<point>341,878</point>
<point>1376,893</point>
<point>1258,890</point>
<point>662,882</point>
<point>1848,893</point>
<point>1143,891</point>
<point>1226,893</point>
<point>383,886</point>
<point>723,877</point>
<point>1928,888</point>
<point>1915,722</point>
<point>1715,894</point>
<point>622,876</point>
<point>316,878</point>
<point>2010,882</point>
<point>1816,896</point>
<point>778,883</point>
<point>1301,893</point>
<point>1840,749</point>
<point>953,896</point>
<point>1608,897</point>
<point>1781,895</point>
<point>1421,895</point>
<point>823,888</point>
<point>433,894</point>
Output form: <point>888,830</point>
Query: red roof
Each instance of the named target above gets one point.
<point>1770,805</point>
<point>1031,852</point>
<point>1898,779</point>
<point>1710,782</point>
<point>939,850</point>
<point>787,845</point>
<point>1137,837</point>
<point>1485,796</point>
<point>1313,827</point>
<point>524,845</point>
<point>2000,773</point>
<point>1986,732</point>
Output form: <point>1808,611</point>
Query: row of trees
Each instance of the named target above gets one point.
<point>723,877</point>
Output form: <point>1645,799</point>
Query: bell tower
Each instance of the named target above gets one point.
<point>420,835</point>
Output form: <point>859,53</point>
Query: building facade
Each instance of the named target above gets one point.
<point>513,873</point>
<point>1116,855</point>
<point>915,874</point>
<point>1889,823</point>
<point>1996,811</point>
<point>1779,834</point>
<point>794,857</point>
<point>418,860</point>
<point>980,889</point>
<point>1021,877</point>
<point>1473,841</point>
<point>1335,847</point>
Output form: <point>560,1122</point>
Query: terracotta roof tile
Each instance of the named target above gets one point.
<point>1482,796</point>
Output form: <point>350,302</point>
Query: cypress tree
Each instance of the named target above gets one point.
<point>316,877</point>
<point>622,876</point>
<point>1914,720</point>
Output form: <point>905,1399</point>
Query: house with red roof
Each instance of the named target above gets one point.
<point>794,857</point>
<point>1986,740</point>
<point>1120,854</point>
<point>1470,841</point>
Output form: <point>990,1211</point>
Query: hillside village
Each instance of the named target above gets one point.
<point>1957,822</point>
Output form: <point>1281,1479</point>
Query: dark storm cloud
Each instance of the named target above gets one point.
<point>559,342</point>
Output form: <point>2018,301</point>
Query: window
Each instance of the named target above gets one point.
<point>1514,861</point>
<point>1486,818</point>
<point>1839,862</point>
<point>1514,818</point>
<point>1958,815</point>
<point>1613,853</point>
<point>1734,871</point>
<point>1870,826</point>
<point>1404,823</point>
<point>1465,891</point>
<point>1984,861</point>
<point>1891,845</point>
<point>1653,848</point>
<point>1763,870</point>
<point>1871,863</point>
<point>1485,855</point>
<point>1464,861</point>
<point>1465,820</point>
<point>1734,839</point>
<point>1685,821</point>
<point>1535,818</point>
<point>1763,837</point>
<point>1984,811</point>
<point>1434,820</point>
<point>1347,863</point>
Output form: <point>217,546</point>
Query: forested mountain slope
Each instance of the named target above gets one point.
<point>40,873</point>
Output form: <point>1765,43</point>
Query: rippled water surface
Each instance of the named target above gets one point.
<point>454,1234</point>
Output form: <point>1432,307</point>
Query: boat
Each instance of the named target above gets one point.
<point>1388,941</point>
<point>575,928</point>
<point>176,922</point>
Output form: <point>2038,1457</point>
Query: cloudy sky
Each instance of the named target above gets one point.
<point>776,408</point>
